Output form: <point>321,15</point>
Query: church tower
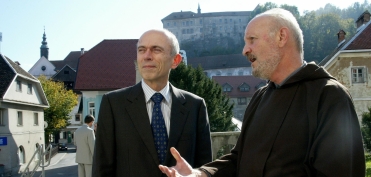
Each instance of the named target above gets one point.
<point>199,9</point>
<point>44,49</point>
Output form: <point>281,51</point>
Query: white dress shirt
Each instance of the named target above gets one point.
<point>165,104</point>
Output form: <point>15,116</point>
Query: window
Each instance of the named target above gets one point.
<point>358,74</point>
<point>200,30</point>
<point>200,21</point>
<point>77,117</point>
<point>244,87</point>
<point>2,117</point>
<point>19,86</point>
<point>218,73</point>
<point>92,109</point>
<point>21,155</point>
<point>20,118</point>
<point>227,87</point>
<point>174,23</point>
<point>167,24</point>
<point>29,89</point>
<point>225,21</point>
<point>220,21</point>
<point>240,73</point>
<point>241,100</point>
<point>35,118</point>
<point>66,72</point>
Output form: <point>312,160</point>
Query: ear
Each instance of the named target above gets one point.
<point>176,61</point>
<point>283,36</point>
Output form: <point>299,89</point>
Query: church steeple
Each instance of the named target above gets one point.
<point>44,49</point>
<point>199,10</point>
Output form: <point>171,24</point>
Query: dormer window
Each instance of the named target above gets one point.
<point>244,87</point>
<point>227,87</point>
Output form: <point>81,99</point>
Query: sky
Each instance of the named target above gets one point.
<point>74,24</point>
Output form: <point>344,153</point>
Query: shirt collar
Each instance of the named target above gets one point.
<point>148,91</point>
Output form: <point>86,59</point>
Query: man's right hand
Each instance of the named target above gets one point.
<point>182,168</point>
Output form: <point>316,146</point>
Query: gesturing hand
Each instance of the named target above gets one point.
<point>182,168</point>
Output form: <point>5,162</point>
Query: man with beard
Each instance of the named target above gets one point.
<point>302,123</point>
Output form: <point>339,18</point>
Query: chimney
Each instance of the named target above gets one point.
<point>341,36</point>
<point>82,51</point>
<point>363,19</point>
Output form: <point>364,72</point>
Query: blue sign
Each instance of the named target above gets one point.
<point>3,141</point>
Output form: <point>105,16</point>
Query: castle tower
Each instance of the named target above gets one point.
<point>44,49</point>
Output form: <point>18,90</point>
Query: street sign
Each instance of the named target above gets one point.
<point>3,141</point>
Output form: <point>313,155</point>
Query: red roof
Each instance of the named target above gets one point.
<point>363,40</point>
<point>236,81</point>
<point>108,66</point>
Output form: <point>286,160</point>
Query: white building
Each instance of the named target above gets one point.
<point>22,103</point>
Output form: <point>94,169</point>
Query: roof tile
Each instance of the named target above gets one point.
<point>108,66</point>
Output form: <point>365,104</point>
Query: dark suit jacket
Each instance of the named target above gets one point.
<point>125,145</point>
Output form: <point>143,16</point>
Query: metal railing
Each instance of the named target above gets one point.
<point>40,153</point>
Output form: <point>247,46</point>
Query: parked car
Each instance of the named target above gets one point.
<point>62,146</point>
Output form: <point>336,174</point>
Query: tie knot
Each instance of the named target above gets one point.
<point>157,97</point>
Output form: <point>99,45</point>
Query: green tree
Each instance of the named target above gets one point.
<point>366,129</point>
<point>61,102</point>
<point>218,107</point>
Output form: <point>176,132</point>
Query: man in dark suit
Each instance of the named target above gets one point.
<point>136,132</point>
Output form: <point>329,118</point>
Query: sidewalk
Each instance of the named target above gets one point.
<point>54,160</point>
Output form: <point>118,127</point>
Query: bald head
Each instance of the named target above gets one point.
<point>173,41</point>
<point>279,18</point>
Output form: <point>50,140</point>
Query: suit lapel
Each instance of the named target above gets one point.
<point>178,117</point>
<point>137,111</point>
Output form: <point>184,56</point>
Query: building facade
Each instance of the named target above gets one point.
<point>350,63</point>
<point>188,25</point>
<point>22,103</point>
